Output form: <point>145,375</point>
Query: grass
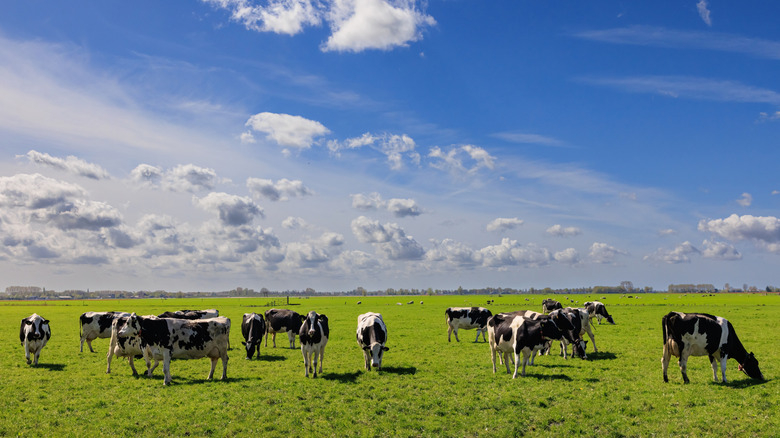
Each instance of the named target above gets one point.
<point>428,387</point>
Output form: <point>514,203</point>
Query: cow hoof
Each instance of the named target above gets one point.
<point>29,361</point>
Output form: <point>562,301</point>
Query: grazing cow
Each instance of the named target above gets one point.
<point>123,346</point>
<point>371,338</point>
<point>282,320</point>
<point>253,329</point>
<point>466,318</point>
<point>581,324</point>
<point>511,333</point>
<point>34,333</point>
<point>314,334</point>
<point>598,310</point>
<point>569,332</point>
<point>700,334</point>
<point>169,338</point>
<point>96,325</point>
<point>191,314</point>
<point>549,304</point>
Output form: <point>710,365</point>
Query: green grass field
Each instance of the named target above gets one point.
<point>428,387</point>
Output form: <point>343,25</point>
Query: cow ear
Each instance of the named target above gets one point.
<point>45,321</point>
<point>385,348</point>
<point>27,321</point>
<point>242,342</point>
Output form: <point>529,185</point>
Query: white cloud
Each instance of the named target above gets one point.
<point>189,178</point>
<point>761,229</point>
<point>305,255</point>
<point>679,254</point>
<point>394,147</point>
<point>279,16</point>
<point>745,200</point>
<point>280,190</point>
<point>526,138</point>
<point>294,223</point>
<point>372,201</point>
<point>502,224</point>
<point>511,253</point>
<point>569,256</point>
<point>331,239</point>
<point>766,117</point>
<point>146,174</point>
<point>720,250</point>
<point>397,206</point>
<point>704,12</point>
<point>603,253</point>
<point>454,162</point>
<point>70,164</point>
<point>667,232</point>
<point>232,210</point>
<point>560,231</point>
<point>359,25</point>
<point>286,130</point>
<point>389,239</point>
<point>403,207</point>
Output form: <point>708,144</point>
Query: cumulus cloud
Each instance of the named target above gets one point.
<point>560,231</point>
<point>278,16</point>
<point>394,147</point>
<point>305,255</point>
<point>502,224</point>
<point>603,253</point>
<point>397,206</point>
<point>461,161</point>
<point>331,239</point>
<point>763,230</point>
<point>453,253</point>
<point>36,191</point>
<point>720,250</point>
<point>389,239</point>
<point>511,253</point>
<point>679,254</point>
<point>569,256</point>
<point>146,174</point>
<point>294,223</point>
<point>69,164</point>
<point>286,130</point>
<point>358,25</point>
<point>232,210</point>
<point>190,178</point>
<point>745,200</point>
<point>704,12</point>
<point>276,191</point>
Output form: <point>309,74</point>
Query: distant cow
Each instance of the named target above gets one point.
<point>466,318</point>
<point>313,334</point>
<point>191,314</point>
<point>598,310</point>
<point>549,304</point>
<point>371,338</point>
<point>169,338</point>
<point>34,333</point>
<point>700,334</point>
<point>253,330</point>
<point>123,346</point>
<point>282,320</point>
<point>510,333</point>
<point>96,325</point>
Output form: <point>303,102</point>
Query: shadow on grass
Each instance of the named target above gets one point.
<point>342,377</point>
<point>50,366</point>
<point>270,358</point>
<point>399,370</point>
<point>549,377</point>
<point>602,356</point>
<point>189,381</point>
<point>746,383</point>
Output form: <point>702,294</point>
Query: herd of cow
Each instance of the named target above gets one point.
<point>193,334</point>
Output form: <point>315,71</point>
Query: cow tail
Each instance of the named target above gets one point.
<point>665,327</point>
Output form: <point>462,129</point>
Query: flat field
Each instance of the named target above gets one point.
<point>428,387</point>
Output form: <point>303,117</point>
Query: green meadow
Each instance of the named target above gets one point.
<point>428,387</point>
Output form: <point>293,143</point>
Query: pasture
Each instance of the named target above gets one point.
<point>428,387</point>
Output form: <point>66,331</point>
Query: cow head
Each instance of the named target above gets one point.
<point>311,319</point>
<point>377,350</point>
<point>750,367</point>
<point>610,320</point>
<point>131,327</point>
<point>33,327</point>
<point>578,348</point>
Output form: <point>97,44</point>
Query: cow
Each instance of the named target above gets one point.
<point>549,304</point>
<point>34,333</point>
<point>282,320</point>
<point>96,325</point>
<point>191,314</point>
<point>253,330</point>
<point>596,309</point>
<point>129,347</point>
<point>371,338</point>
<point>700,334</point>
<point>466,318</point>
<point>568,335</point>
<point>512,333</point>
<point>169,338</point>
<point>313,334</point>
<point>580,322</point>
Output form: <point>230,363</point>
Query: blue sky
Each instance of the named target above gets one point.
<point>204,145</point>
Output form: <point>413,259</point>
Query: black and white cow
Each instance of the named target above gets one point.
<point>129,347</point>
<point>282,320</point>
<point>96,325</point>
<point>700,334</point>
<point>516,334</point>
<point>580,322</point>
<point>371,338</point>
<point>191,314</point>
<point>549,304</point>
<point>466,318</point>
<point>34,333</point>
<point>596,309</point>
<point>313,335</point>
<point>578,348</point>
<point>169,338</point>
<point>253,330</point>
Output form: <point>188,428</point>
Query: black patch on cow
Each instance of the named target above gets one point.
<point>253,329</point>
<point>153,331</point>
<point>278,319</point>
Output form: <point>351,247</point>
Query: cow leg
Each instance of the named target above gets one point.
<point>89,344</point>
<point>517,362</point>
<point>506,361</point>
<point>525,362</point>
<point>266,338</point>
<point>449,333</point>
<point>322,358</point>
<point>665,361</point>
<point>81,347</point>
<point>315,357</point>
<point>108,360</point>
<point>493,358</point>
<point>274,339</point>
<point>684,368</point>
<point>132,365</point>
<point>37,354</point>
<point>483,334</point>
<point>592,339</point>
<point>291,338</point>
<point>723,361</point>
<point>477,339</point>
<point>151,368</point>
<point>305,362</point>
<point>214,361</point>
<point>166,367</point>
<point>456,334</point>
